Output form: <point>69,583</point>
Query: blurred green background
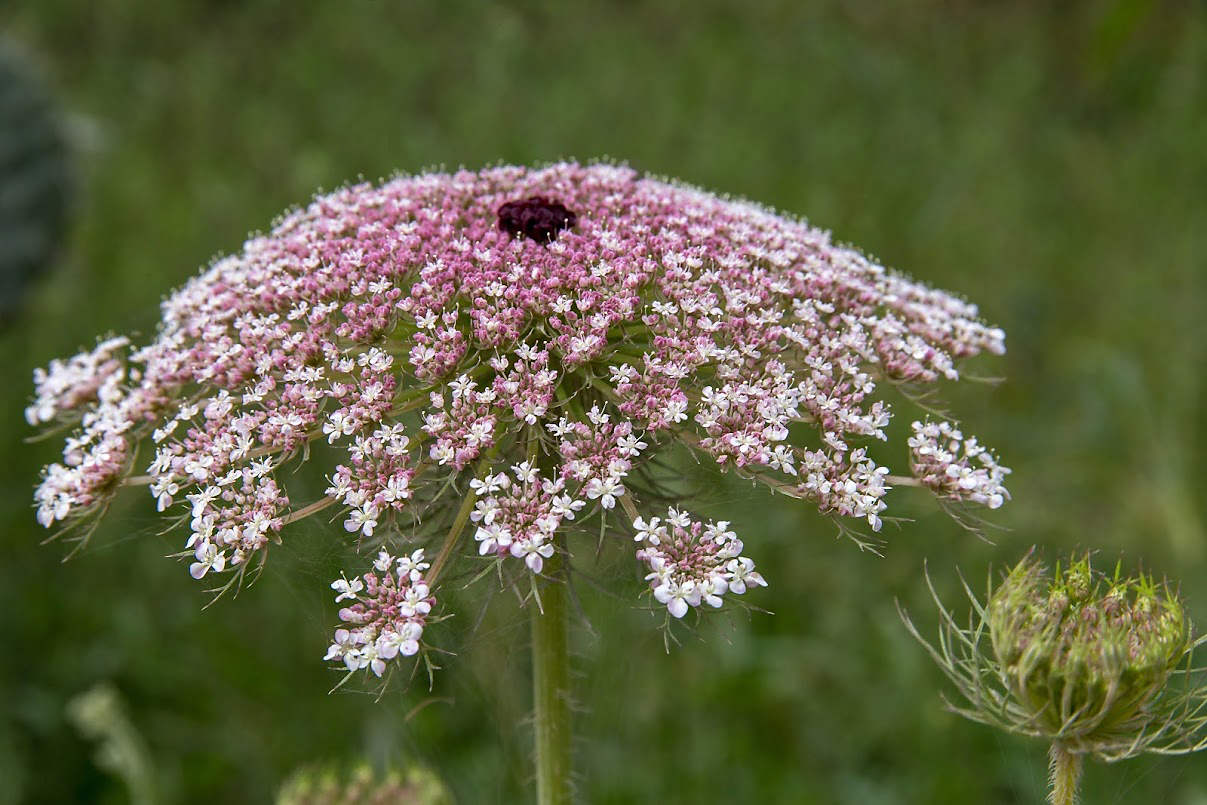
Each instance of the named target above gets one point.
<point>1047,160</point>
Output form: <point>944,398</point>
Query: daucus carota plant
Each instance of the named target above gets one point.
<point>1095,665</point>
<point>491,359</point>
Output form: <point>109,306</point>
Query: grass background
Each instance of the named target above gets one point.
<point>1046,160</point>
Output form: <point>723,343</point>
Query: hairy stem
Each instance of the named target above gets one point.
<point>551,686</point>
<point>1064,773</point>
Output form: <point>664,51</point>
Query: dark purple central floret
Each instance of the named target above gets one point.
<point>535,217</point>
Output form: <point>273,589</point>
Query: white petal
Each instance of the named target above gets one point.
<point>678,607</point>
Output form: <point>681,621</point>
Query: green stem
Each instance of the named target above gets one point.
<point>551,686</point>
<point>1064,772</point>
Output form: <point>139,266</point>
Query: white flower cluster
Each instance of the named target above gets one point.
<point>521,518</point>
<point>692,563</point>
<point>954,467</point>
<point>599,454</point>
<point>67,385</point>
<point>387,620</point>
<point>848,484</point>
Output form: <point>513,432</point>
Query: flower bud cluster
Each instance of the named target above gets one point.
<point>1094,664</point>
<point>392,606</point>
<point>1084,654</point>
<point>361,785</point>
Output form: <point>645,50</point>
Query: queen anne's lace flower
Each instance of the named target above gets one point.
<point>529,339</point>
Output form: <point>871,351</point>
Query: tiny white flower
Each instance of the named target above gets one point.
<point>202,499</point>
<point>719,532</point>
<point>532,552</point>
<point>490,484</point>
<point>742,575</point>
<point>606,491</point>
<point>344,642</point>
<point>630,446</point>
<point>652,532</point>
<point>363,520</point>
<point>491,538</point>
<point>414,601</point>
<point>565,506</point>
<point>397,488</point>
<point>383,561</point>
<point>347,589</point>
<point>679,519</point>
<point>525,473</point>
<point>412,567</point>
<point>678,597</point>
<point>208,558</point>
<point>712,590</point>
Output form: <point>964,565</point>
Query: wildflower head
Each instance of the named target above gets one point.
<point>1095,664</point>
<point>484,364</point>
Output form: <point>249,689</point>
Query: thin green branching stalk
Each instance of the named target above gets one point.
<point>454,534</point>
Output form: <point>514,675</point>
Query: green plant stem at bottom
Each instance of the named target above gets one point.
<point>1064,773</point>
<point>551,687</point>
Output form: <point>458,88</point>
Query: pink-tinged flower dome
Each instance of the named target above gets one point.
<point>498,354</point>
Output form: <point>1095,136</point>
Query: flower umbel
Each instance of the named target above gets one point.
<point>1096,665</point>
<point>497,356</point>
<point>387,620</point>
